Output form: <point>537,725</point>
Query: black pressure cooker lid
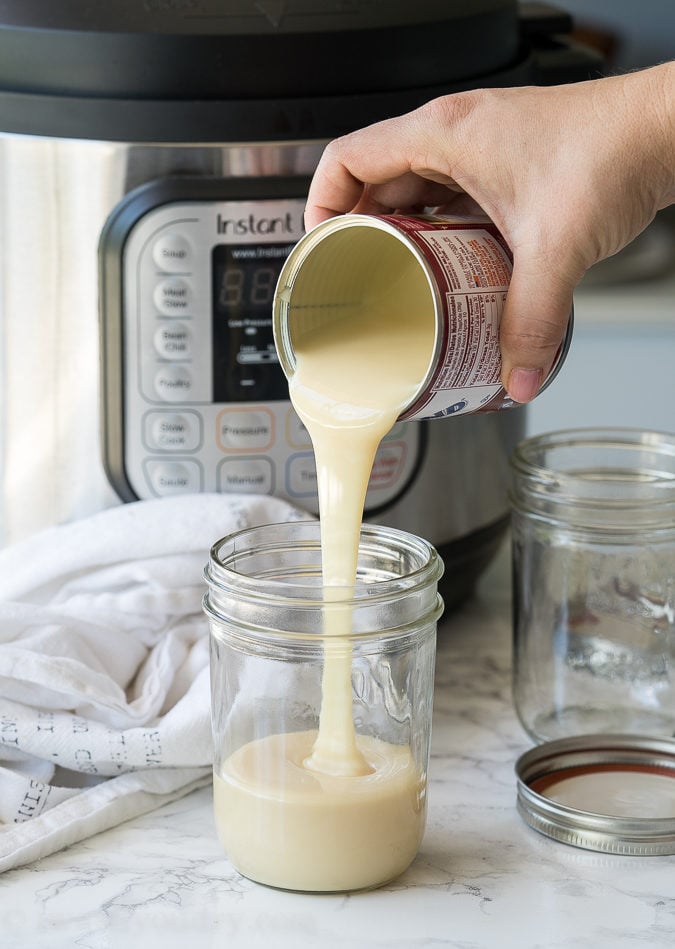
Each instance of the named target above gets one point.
<point>224,70</point>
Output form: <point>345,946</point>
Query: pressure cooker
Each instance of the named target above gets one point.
<point>154,161</point>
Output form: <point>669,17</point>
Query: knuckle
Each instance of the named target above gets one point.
<point>532,337</point>
<point>450,111</point>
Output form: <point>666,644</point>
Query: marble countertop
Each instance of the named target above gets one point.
<point>482,877</point>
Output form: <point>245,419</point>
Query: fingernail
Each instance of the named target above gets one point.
<point>524,384</point>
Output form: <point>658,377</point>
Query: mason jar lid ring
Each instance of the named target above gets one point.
<point>568,763</point>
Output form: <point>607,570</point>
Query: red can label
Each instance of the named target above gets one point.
<point>472,265</point>
<point>469,265</point>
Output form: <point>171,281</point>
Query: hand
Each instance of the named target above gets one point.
<point>569,174</point>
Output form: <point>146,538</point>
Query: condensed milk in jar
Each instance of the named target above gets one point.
<point>446,277</point>
<point>321,705</point>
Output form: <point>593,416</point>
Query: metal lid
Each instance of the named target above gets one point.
<point>612,793</point>
<point>193,59</point>
<point>200,71</point>
<point>211,49</point>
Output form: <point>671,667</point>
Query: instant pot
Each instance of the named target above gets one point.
<point>154,161</point>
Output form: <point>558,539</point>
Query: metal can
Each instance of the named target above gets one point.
<point>467,267</point>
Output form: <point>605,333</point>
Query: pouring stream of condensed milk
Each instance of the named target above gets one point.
<point>355,371</point>
<point>333,810</point>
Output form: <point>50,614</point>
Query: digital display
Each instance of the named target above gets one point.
<point>245,364</point>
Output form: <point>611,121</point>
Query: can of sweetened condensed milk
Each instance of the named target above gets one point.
<point>450,274</point>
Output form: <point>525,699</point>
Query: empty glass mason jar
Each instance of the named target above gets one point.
<point>321,710</point>
<point>593,529</point>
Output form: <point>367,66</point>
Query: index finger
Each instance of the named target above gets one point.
<point>375,155</point>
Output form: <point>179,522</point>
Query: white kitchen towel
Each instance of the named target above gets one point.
<point>104,685</point>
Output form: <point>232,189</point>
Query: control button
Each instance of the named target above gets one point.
<point>173,383</point>
<point>245,430</point>
<point>169,431</point>
<point>173,296</point>
<point>246,476</point>
<point>173,253</point>
<point>173,341</point>
<point>388,465</point>
<point>301,475</point>
<point>173,477</point>
<point>296,433</point>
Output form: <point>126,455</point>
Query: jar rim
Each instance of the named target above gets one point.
<point>610,486</point>
<point>219,573</point>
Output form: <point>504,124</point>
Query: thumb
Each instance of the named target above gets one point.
<point>535,317</point>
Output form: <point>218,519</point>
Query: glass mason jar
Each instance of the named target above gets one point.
<point>593,528</point>
<point>321,710</point>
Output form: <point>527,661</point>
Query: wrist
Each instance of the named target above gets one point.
<point>660,108</point>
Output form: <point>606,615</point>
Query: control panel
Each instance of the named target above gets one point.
<point>194,398</point>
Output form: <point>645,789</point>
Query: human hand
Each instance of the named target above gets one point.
<point>569,174</point>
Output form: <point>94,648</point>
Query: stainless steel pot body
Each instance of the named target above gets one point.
<point>76,90</point>
<point>55,198</point>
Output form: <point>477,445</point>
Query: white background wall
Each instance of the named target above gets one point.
<point>629,382</point>
<point>620,369</point>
